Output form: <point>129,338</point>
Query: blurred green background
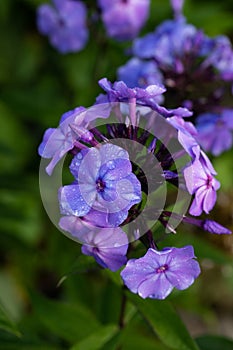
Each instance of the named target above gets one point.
<point>38,85</point>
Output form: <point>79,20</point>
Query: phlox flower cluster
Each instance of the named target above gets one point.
<point>104,206</point>
<point>66,22</point>
<point>197,71</point>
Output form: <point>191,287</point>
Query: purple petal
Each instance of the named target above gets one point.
<point>85,166</point>
<point>179,255</point>
<point>195,177</point>
<point>135,273</point>
<point>157,287</point>
<point>209,200</point>
<point>72,202</point>
<point>48,151</point>
<point>98,218</point>
<point>214,227</point>
<point>183,275</point>
<point>107,246</point>
<point>74,225</point>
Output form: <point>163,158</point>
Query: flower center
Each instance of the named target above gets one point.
<point>209,181</point>
<point>162,268</point>
<point>100,185</point>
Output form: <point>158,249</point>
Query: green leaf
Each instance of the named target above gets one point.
<point>165,322</point>
<point>82,264</point>
<point>6,324</point>
<point>71,322</point>
<point>98,339</point>
<point>137,335</point>
<point>212,342</point>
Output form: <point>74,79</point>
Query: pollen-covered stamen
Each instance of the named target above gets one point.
<point>162,268</point>
<point>100,185</point>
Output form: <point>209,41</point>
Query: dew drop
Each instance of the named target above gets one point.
<point>111,165</point>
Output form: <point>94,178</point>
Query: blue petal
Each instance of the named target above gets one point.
<point>73,203</point>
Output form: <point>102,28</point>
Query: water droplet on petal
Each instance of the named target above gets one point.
<point>111,165</point>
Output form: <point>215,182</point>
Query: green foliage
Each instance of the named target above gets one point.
<point>165,322</point>
<point>6,324</point>
<point>211,342</point>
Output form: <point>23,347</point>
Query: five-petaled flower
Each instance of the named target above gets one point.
<point>65,24</point>
<point>158,272</point>
<point>105,187</point>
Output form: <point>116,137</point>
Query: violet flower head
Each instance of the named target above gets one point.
<point>158,272</point>
<point>107,245</point>
<point>64,24</point>
<point>169,44</point>
<point>123,19</point>
<point>215,131</point>
<point>105,187</point>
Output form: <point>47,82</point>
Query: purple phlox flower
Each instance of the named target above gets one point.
<point>158,272</point>
<point>170,42</point>
<point>220,56</point>
<point>124,19</point>
<point>140,73</point>
<point>199,175</point>
<point>120,92</point>
<point>201,182</point>
<point>105,187</point>
<point>65,24</point>
<point>215,131</point>
<point>58,141</point>
<point>107,245</point>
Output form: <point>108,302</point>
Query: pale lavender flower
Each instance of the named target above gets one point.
<point>158,272</point>
<point>123,19</point>
<point>58,141</point>
<point>107,245</point>
<point>215,131</point>
<point>65,24</point>
<point>200,181</point>
<point>104,186</point>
